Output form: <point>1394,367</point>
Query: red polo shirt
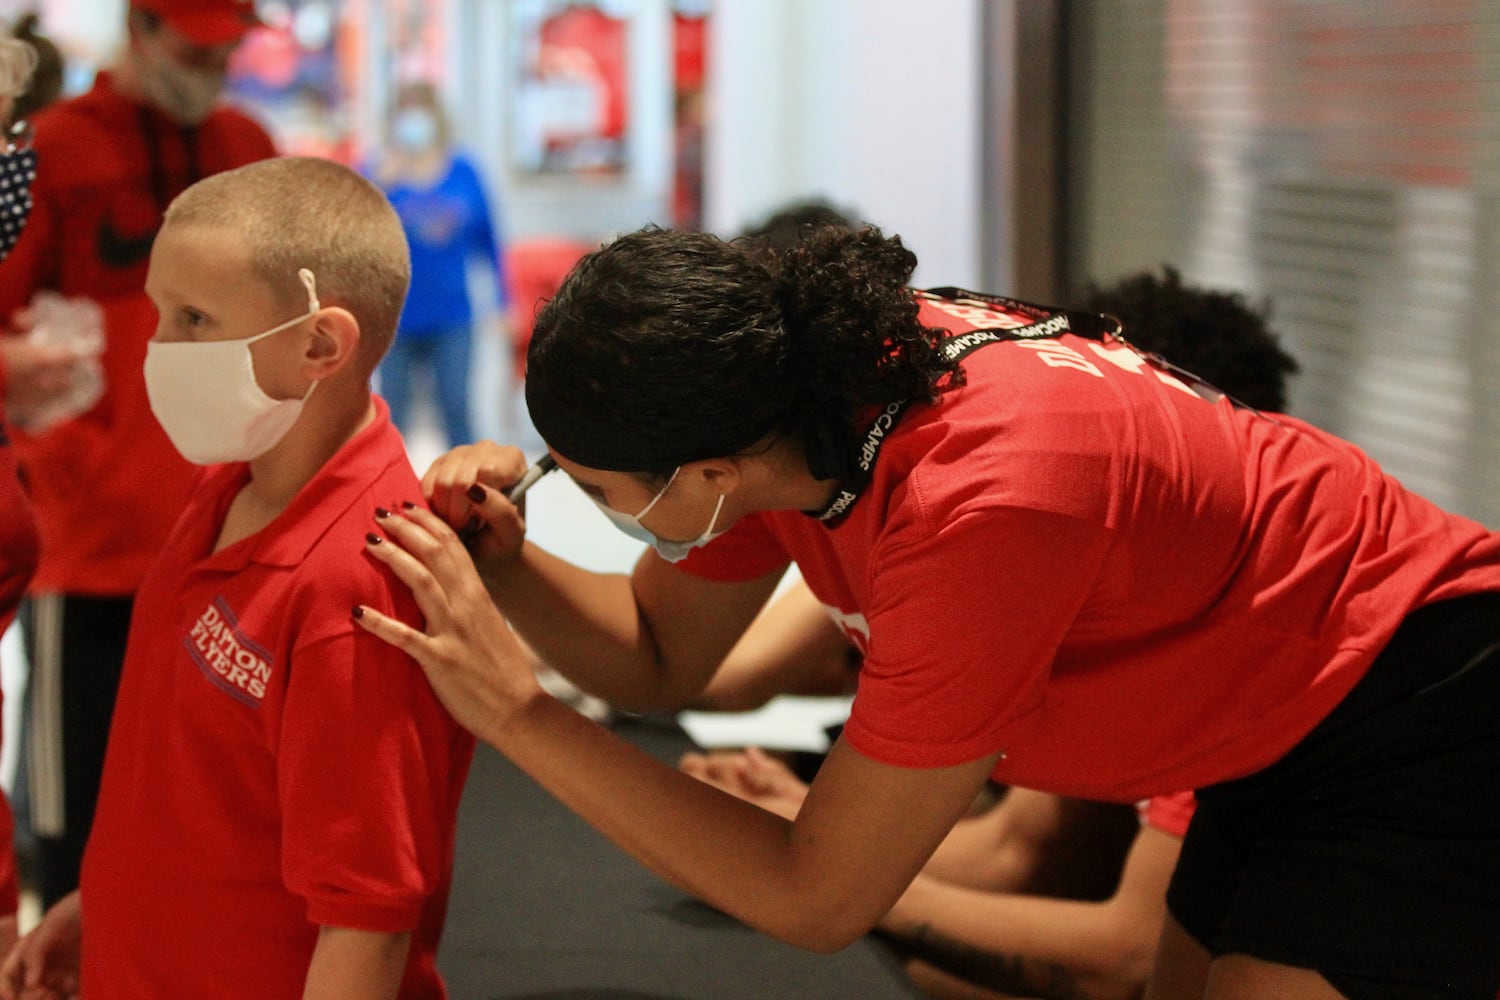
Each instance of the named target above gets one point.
<point>271,766</point>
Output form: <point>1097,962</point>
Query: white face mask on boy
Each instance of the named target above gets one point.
<point>670,551</point>
<point>205,396</point>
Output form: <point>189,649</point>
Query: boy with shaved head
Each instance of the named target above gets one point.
<point>280,790</point>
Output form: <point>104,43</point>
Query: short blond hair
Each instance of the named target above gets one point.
<point>293,212</point>
<point>17,63</point>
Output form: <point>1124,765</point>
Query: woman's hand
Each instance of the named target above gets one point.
<point>466,488</point>
<point>479,670</point>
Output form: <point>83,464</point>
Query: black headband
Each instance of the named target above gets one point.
<point>597,437</point>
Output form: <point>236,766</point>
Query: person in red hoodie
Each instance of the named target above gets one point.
<point>107,485</point>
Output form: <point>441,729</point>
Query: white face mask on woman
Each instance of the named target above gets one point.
<point>205,396</point>
<point>415,130</point>
<point>670,551</point>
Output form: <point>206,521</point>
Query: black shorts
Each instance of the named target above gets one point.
<point>1371,851</point>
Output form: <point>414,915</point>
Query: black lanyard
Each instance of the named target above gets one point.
<point>1046,321</point>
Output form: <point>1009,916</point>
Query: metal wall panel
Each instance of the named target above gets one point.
<point>1340,158</point>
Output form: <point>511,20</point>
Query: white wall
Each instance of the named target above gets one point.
<point>872,104</point>
<point>93,28</point>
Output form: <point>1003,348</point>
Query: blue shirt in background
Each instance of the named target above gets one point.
<point>447,225</point>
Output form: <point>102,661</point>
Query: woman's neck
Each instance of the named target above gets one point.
<point>786,483</point>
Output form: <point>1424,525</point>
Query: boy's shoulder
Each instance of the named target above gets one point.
<point>321,535</point>
<point>328,570</point>
<point>356,510</point>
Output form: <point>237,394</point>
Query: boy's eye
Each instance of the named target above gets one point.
<point>192,317</point>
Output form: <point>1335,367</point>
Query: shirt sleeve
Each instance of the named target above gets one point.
<point>965,624</point>
<point>1168,813</point>
<point>370,767</point>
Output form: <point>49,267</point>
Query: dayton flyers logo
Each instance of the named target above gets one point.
<point>226,656</point>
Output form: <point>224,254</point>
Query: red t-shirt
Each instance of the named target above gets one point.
<point>108,485</point>
<point>1128,590</point>
<point>271,766</point>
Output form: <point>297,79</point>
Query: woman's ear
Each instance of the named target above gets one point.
<point>332,344</point>
<point>719,475</point>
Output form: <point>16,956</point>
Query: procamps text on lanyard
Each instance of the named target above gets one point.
<point>975,307</point>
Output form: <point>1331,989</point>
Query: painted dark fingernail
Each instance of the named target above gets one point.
<point>470,526</point>
<point>381,513</point>
<point>408,505</point>
<point>372,538</point>
<point>358,611</point>
<point>476,493</point>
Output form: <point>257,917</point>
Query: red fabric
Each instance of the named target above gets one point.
<point>534,269</point>
<point>1128,590</point>
<point>18,556</point>
<point>689,51</point>
<point>204,22</point>
<point>108,485</point>
<point>18,535</point>
<point>271,766</point>
<point>587,37</point>
<point>1168,813</point>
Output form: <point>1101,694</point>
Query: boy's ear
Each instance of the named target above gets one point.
<point>332,344</point>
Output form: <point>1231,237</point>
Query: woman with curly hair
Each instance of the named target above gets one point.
<point>1070,567</point>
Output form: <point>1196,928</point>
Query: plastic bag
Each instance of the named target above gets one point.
<point>78,325</point>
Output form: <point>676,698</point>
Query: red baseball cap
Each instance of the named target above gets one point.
<point>204,22</point>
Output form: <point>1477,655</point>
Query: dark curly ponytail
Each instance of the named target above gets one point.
<point>667,347</point>
<point>853,340</point>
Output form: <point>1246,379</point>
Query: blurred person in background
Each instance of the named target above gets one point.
<point>446,212</point>
<point>47,80</point>
<point>786,226</point>
<point>18,535</point>
<point>107,485</point>
<point>31,374</point>
<point>51,372</point>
